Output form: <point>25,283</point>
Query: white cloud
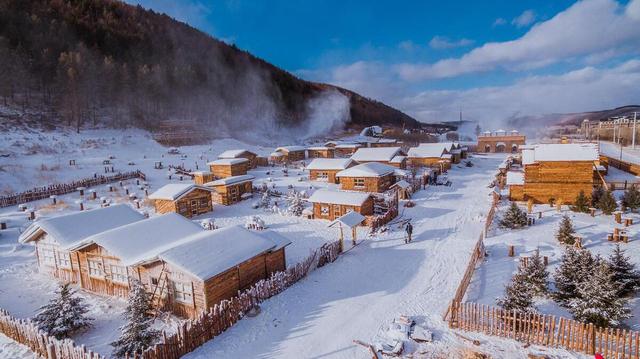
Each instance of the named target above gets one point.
<point>586,28</point>
<point>441,42</point>
<point>499,21</point>
<point>525,19</point>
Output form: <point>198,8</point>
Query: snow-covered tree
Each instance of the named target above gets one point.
<point>565,231</point>
<point>596,194</point>
<point>581,203</point>
<point>64,314</point>
<point>631,198</point>
<point>295,203</point>
<point>598,301</point>
<point>136,334</point>
<point>607,203</point>
<point>518,295</point>
<point>624,272</point>
<point>535,274</point>
<point>265,200</point>
<point>514,217</point>
<point>575,268</point>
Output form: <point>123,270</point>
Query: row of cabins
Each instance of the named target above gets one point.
<point>437,155</point>
<point>554,172</point>
<point>187,269</point>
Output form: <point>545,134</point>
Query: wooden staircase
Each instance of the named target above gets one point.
<point>157,295</point>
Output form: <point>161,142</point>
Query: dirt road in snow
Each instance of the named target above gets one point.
<point>359,295</point>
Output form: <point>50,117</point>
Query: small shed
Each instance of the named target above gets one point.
<point>330,204</point>
<point>241,153</point>
<point>231,190</point>
<point>320,152</point>
<point>384,142</point>
<point>292,153</point>
<point>325,169</point>
<point>427,154</point>
<point>187,199</point>
<point>346,149</point>
<point>368,177</point>
<point>399,161</point>
<point>403,189</point>
<point>350,220</point>
<point>229,167</point>
<point>202,177</point>
<point>380,154</point>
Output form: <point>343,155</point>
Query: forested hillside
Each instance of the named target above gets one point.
<point>85,62</point>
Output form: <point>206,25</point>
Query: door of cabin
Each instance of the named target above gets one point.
<point>336,212</point>
<point>233,194</point>
<point>194,207</point>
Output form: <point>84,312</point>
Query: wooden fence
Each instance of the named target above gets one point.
<point>39,193</point>
<point>28,334</point>
<point>547,330</point>
<point>222,316</point>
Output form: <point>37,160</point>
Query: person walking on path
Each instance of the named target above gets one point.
<point>409,230</point>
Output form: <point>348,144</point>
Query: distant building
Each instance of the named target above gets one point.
<point>241,153</point>
<point>325,169</point>
<point>500,141</point>
<point>187,199</point>
<point>368,177</point>
<point>328,204</point>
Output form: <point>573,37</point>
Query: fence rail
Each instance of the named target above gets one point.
<point>548,330</point>
<point>39,193</point>
<point>27,333</point>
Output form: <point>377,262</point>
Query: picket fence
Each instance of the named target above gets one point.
<point>547,330</point>
<point>39,193</point>
<point>25,332</point>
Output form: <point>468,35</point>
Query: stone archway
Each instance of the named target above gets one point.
<point>487,148</point>
<point>514,148</point>
<point>501,147</point>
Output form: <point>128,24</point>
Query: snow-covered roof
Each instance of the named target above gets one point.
<point>276,154</point>
<point>351,219</point>
<point>515,178</point>
<point>428,150</point>
<point>318,148</point>
<point>345,198</point>
<point>330,164</point>
<point>230,180</point>
<point>348,145</point>
<point>201,173</point>
<point>209,253</point>
<point>227,161</point>
<point>528,156</point>
<point>234,153</point>
<point>566,152</point>
<point>446,156</point>
<point>376,154</point>
<point>398,159</point>
<point>369,169</point>
<point>174,191</point>
<point>144,240</point>
<point>402,184</point>
<point>70,229</point>
<point>386,140</point>
<point>290,149</point>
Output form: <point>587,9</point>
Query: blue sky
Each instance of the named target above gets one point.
<point>490,59</point>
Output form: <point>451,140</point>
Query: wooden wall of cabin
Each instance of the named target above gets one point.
<point>628,167</point>
<point>225,195</point>
<point>344,152</point>
<point>252,157</point>
<point>55,261</point>
<point>371,184</point>
<point>401,165</point>
<point>560,180</point>
<point>384,144</point>
<point>102,272</point>
<point>424,161</point>
<point>328,153</point>
<point>163,206</point>
<point>331,211</point>
<point>516,192</point>
<point>194,203</point>
<point>293,156</point>
<point>224,171</point>
<point>331,175</point>
<point>276,261</point>
<point>202,178</point>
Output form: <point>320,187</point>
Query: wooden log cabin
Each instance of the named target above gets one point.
<point>288,154</point>
<point>229,167</point>
<point>320,152</point>
<point>187,199</point>
<point>345,149</point>
<point>254,161</point>
<point>559,171</point>
<point>231,190</point>
<point>383,155</point>
<point>54,238</point>
<point>367,177</point>
<point>500,141</point>
<point>515,182</point>
<point>435,155</point>
<point>325,169</point>
<point>202,177</point>
<point>384,142</point>
<point>329,204</point>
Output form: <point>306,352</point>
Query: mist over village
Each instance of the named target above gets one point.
<point>241,179</point>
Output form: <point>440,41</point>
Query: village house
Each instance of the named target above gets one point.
<point>436,155</point>
<point>229,167</point>
<point>515,182</point>
<point>367,177</point>
<point>202,177</point>
<point>232,190</point>
<point>559,171</point>
<point>329,204</point>
<point>325,169</point>
<point>343,149</point>
<point>288,154</point>
<point>384,142</point>
<point>254,160</point>
<point>380,155</point>
<point>500,141</point>
<point>187,199</point>
<point>320,152</point>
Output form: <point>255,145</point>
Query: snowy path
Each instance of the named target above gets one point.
<point>357,296</point>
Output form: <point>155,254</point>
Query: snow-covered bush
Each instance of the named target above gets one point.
<point>295,203</point>
<point>136,335</point>
<point>565,231</point>
<point>514,217</point>
<point>607,203</point>
<point>581,203</point>
<point>631,198</point>
<point>624,272</point>
<point>65,314</point>
<point>596,194</point>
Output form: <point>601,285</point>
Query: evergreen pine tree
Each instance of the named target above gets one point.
<point>581,204</point>
<point>607,203</point>
<point>65,314</point>
<point>136,335</point>
<point>265,200</point>
<point>631,198</point>
<point>565,231</point>
<point>535,274</point>
<point>568,276</point>
<point>518,295</point>
<point>295,203</point>
<point>596,194</point>
<point>597,301</point>
<point>624,272</point>
<point>514,217</point>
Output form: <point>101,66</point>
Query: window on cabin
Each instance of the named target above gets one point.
<point>154,280</point>
<point>324,210</point>
<point>336,211</point>
<point>358,182</point>
<point>64,260</point>
<point>95,268</point>
<point>323,175</point>
<point>119,274</point>
<point>46,256</point>
<point>204,203</point>
<point>182,292</point>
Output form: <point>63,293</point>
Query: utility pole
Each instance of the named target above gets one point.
<point>633,136</point>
